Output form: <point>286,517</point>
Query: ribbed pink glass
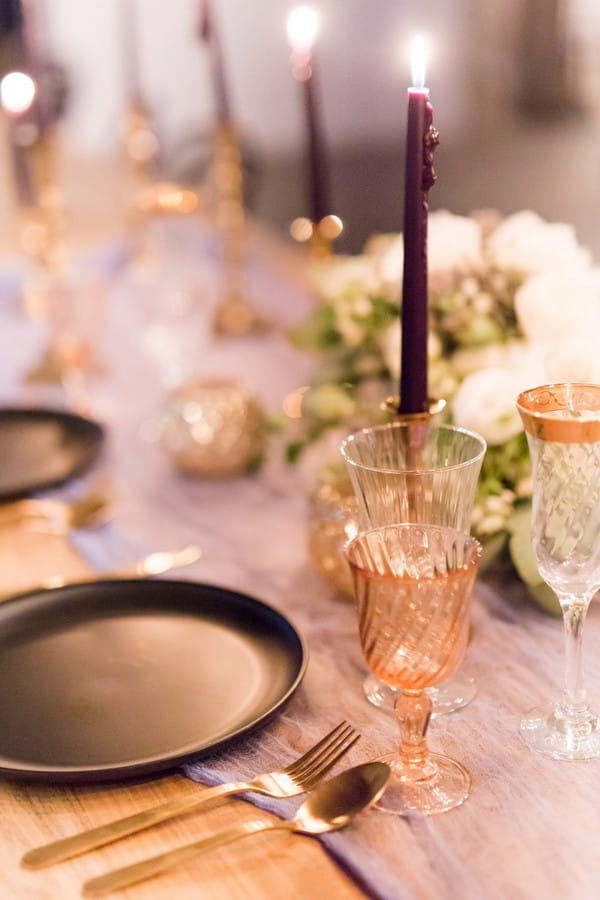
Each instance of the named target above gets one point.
<point>412,585</point>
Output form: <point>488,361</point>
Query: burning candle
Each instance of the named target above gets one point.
<point>129,38</point>
<point>421,140</point>
<point>210,36</point>
<point>17,94</point>
<point>302,27</point>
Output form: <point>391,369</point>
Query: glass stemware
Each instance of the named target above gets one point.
<point>412,585</point>
<point>416,472</point>
<point>562,424</point>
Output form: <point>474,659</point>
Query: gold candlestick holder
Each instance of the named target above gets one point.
<point>140,142</point>
<point>319,236</point>
<point>236,314</point>
<point>43,239</point>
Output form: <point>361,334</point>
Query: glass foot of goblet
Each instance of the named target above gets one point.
<point>452,694</point>
<point>553,732</point>
<point>444,784</point>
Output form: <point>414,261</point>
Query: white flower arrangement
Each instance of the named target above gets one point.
<point>514,303</point>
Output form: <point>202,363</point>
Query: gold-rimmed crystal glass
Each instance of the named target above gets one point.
<point>412,585</point>
<point>562,424</point>
<point>416,472</point>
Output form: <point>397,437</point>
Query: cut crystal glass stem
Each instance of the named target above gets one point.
<point>562,424</point>
<point>413,711</point>
<point>574,614</point>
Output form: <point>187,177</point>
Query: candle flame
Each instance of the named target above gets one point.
<point>418,61</point>
<point>302,27</point>
<point>17,92</point>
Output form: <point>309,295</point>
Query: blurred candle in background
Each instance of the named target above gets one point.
<point>130,50</point>
<point>302,28</point>
<point>210,36</point>
<point>34,64</point>
<point>17,95</point>
<point>421,140</point>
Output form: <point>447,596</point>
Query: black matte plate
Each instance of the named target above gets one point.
<point>113,679</point>
<point>41,448</point>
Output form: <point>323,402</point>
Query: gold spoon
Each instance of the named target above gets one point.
<point>330,806</point>
<point>58,516</point>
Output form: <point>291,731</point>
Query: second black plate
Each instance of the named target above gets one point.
<point>112,679</point>
<point>40,448</point>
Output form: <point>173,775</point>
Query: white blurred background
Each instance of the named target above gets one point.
<point>514,85</point>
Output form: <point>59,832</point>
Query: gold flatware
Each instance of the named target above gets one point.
<point>329,807</point>
<point>153,564</point>
<point>58,516</point>
<point>297,778</point>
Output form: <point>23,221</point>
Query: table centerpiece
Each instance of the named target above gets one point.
<point>513,301</point>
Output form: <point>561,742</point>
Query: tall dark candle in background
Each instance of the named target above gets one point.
<point>210,36</point>
<point>302,29</point>
<point>421,140</point>
<point>17,94</point>
<point>33,63</point>
<point>131,60</point>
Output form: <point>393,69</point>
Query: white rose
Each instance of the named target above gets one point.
<point>518,355</point>
<point>527,243</point>
<point>321,456</point>
<point>485,403</point>
<point>390,348</point>
<point>453,242</point>
<point>345,273</point>
<point>554,304</point>
<point>391,262</point>
<point>574,358</point>
<point>391,341</point>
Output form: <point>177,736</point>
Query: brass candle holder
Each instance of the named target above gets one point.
<point>235,314</point>
<point>43,238</point>
<point>319,236</point>
<point>140,141</point>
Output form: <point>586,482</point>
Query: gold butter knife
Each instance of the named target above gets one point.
<point>153,564</point>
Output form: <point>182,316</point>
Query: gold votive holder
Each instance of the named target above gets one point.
<point>213,428</point>
<point>332,522</point>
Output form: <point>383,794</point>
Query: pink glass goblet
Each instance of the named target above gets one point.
<point>412,585</point>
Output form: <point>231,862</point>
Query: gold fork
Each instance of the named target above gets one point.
<point>297,778</point>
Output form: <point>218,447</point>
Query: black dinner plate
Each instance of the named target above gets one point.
<point>42,448</point>
<point>115,679</point>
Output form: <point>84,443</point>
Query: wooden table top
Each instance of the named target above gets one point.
<point>269,866</point>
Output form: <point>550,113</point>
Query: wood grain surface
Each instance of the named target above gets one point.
<point>274,866</point>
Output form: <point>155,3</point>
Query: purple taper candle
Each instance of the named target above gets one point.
<point>421,140</point>
<point>131,56</point>
<point>210,36</point>
<point>302,28</point>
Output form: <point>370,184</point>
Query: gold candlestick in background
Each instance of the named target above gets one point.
<point>319,236</point>
<point>40,204</point>
<point>140,142</point>
<point>235,314</point>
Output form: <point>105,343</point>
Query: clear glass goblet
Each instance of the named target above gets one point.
<point>412,585</point>
<point>562,424</point>
<point>416,472</point>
